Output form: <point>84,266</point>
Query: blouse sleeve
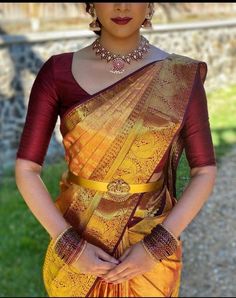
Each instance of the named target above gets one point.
<point>196,130</point>
<point>41,116</point>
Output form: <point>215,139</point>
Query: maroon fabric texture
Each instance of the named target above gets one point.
<point>196,132</point>
<point>55,91</point>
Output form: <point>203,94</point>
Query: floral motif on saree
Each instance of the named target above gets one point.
<point>123,132</point>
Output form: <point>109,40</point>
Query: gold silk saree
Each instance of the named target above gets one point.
<point>128,131</point>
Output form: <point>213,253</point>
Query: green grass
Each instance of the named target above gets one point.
<point>23,240</point>
<point>222,112</point>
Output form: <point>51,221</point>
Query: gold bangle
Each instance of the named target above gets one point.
<point>59,236</point>
<point>176,239</point>
<point>82,249</point>
<point>150,254</point>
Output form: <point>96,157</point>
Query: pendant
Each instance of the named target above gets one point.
<point>118,66</point>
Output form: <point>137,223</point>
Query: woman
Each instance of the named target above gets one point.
<point>127,109</point>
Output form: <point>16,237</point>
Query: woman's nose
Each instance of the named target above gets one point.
<point>122,6</point>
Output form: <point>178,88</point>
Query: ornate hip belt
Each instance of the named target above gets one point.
<point>117,188</point>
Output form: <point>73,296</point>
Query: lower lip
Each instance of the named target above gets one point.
<point>121,22</point>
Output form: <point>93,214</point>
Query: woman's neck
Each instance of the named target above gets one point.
<point>122,46</point>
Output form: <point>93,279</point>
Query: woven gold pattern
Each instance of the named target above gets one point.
<point>124,133</point>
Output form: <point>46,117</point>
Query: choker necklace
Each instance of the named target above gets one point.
<point>118,61</point>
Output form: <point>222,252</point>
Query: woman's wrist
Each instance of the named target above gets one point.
<point>160,243</point>
<point>58,235</point>
<point>69,245</point>
<point>170,232</point>
<point>149,252</point>
<point>84,245</point>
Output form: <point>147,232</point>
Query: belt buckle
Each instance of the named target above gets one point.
<point>118,189</point>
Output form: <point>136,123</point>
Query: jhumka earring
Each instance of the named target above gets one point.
<point>147,22</point>
<point>94,26</point>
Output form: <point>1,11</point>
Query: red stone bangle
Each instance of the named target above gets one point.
<point>68,245</point>
<point>160,242</point>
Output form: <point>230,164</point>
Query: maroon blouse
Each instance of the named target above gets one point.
<point>55,91</point>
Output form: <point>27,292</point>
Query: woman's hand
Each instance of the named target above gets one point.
<point>95,261</point>
<point>134,261</point>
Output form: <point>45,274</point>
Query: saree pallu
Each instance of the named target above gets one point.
<point>128,131</point>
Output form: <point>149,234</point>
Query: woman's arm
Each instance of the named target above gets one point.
<point>43,110</point>
<point>93,260</point>
<point>193,198</point>
<point>40,122</point>
<point>36,196</point>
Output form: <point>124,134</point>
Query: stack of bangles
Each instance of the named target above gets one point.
<point>160,243</point>
<point>69,245</point>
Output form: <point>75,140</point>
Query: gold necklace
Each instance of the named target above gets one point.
<point>118,61</point>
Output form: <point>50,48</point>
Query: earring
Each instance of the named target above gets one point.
<point>147,22</point>
<point>94,25</point>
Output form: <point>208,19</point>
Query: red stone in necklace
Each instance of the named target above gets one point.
<point>118,61</point>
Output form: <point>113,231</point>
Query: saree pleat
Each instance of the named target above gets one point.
<point>162,281</point>
<point>123,132</point>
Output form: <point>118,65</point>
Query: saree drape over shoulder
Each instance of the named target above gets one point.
<point>128,131</point>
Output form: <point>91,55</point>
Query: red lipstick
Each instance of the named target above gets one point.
<point>121,21</point>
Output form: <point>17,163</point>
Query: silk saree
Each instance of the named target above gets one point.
<point>129,131</point>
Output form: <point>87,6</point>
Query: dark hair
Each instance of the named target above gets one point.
<point>87,10</point>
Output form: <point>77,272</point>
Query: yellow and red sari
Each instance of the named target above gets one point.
<point>128,131</point>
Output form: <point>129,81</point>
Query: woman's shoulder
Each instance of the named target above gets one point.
<point>57,64</point>
<point>157,53</point>
<point>187,64</point>
<point>183,59</point>
<point>58,60</point>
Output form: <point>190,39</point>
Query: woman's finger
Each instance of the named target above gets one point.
<point>105,256</point>
<point>101,273</point>
<point>125,254</point>
<point>127,275</point>
<point>104,267</point>
<point>117,270</point>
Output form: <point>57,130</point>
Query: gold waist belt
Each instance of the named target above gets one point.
<point>116,187</point>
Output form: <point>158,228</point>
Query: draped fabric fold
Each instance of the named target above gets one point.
<point>124,132</point>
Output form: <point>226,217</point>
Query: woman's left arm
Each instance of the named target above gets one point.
<point>193,198</point>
